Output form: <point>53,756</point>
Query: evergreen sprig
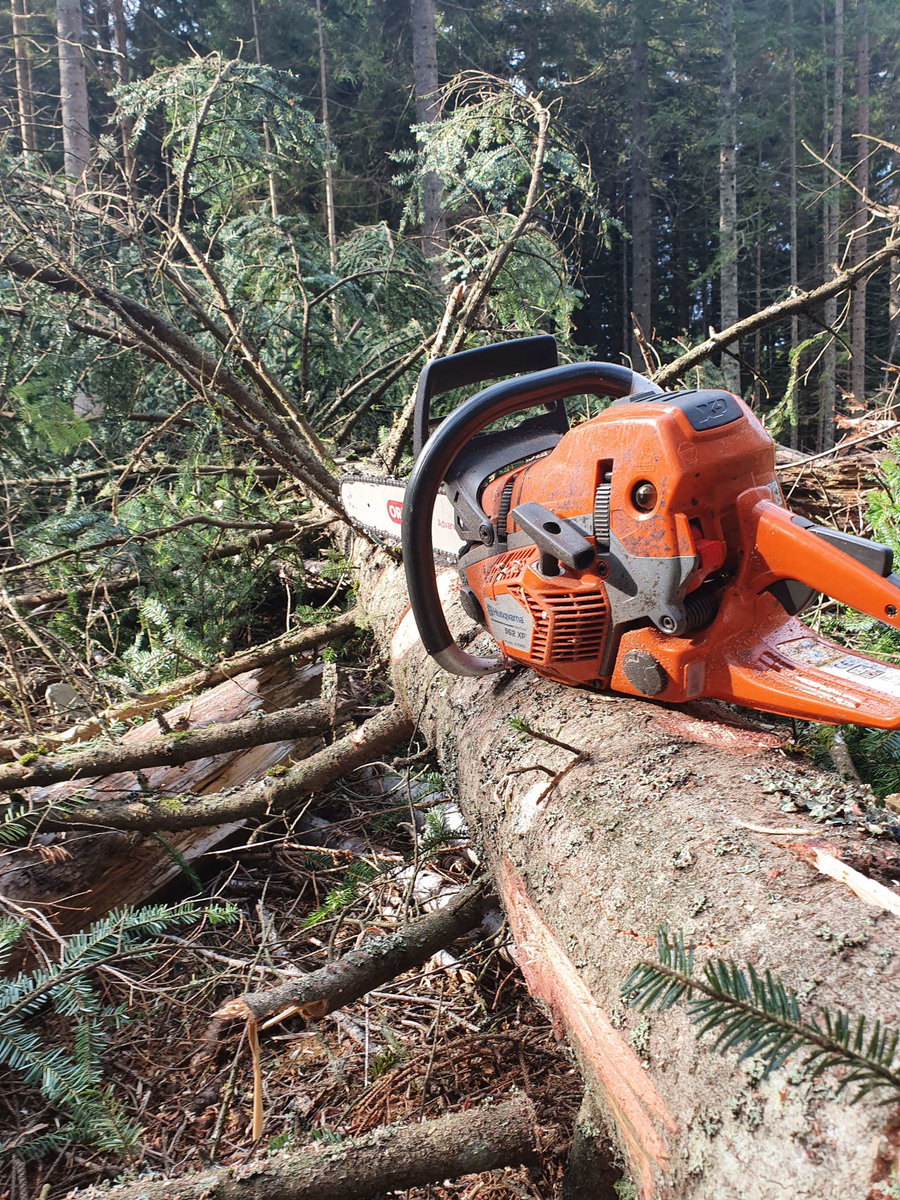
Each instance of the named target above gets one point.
<point>71,1077</point>
<point>758,1014</point>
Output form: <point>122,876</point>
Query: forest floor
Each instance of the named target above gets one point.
<point>460,1033</point>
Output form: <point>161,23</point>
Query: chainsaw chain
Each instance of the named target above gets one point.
<point>380,536</point>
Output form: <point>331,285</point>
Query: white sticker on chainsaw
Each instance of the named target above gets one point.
<point>833,660</point>
<point>509,622</point>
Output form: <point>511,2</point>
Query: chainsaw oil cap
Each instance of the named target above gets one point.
<point>644,673</point>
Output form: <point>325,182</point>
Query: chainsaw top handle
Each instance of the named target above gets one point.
<point>436,458</point>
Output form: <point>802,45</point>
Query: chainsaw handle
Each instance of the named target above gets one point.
<point>784,549</point>
<point>438,454</point>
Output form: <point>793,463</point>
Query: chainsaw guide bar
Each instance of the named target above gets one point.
<point>646,550</point>
<point>375,502</point>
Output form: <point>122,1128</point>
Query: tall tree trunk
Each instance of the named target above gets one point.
<point>329,176</point>
<point>831,241</point>
<point>859,244</point>
<point>682,258</point>
<point>796,409</point>
<point>273,200</point>
<point>641,196</point>
<point>73,92</point>
<point>425,80</point>
<point>120,37</point>
<point>757,283</point>
<point>24,92</point>
<point>728,240</point>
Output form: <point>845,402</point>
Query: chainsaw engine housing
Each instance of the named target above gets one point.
<point>650,486</point>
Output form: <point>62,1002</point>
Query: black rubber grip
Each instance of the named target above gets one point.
<point>477,366</point>
<point>438,453</point>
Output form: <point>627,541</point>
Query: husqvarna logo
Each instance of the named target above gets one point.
<point>394,510</point>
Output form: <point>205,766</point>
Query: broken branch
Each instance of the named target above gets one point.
<point>377,961</point>
<point>274,794</point>
<point>175,748</point>
<point>386,1160</point>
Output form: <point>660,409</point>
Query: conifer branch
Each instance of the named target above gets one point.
<point>761,1015</point>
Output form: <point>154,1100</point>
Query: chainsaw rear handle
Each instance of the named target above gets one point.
<point>436,458</point>
<point>786,547</point>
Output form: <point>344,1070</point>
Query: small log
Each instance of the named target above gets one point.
<point>386,1160</point>
<point>176,747</point>
<point>376,961</point>
<point>110,869</point>
<point>273,794</point>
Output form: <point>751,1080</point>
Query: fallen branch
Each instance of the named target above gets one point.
<point>176,747</point>
<point>275,793</point>
<point>156,470</point>
<point>386,1160</point>
<point>136,538</point>
<point>241,404</point>
<point>296,642</point>
<point>843,281</point>
<point>870,891</point>
<point>377,961</point>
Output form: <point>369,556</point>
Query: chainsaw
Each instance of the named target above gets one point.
<point>646,550</point>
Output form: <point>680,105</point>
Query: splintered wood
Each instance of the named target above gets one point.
<point>83,878</point>
<point>831,491</point>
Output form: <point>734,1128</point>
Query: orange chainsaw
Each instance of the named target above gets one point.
<point>647,550</point>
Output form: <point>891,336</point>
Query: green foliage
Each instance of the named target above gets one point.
<point>70,1076</point>
<point>47,419</point>
<point>19,818</point>
<point>353,881</point>
<point>439,831</point>
<point>781,417</point>
<point>228,123</point>
<point>760,1016</point>
<point>187,604</point>
<point>482,150</point>
<point>883,504</point>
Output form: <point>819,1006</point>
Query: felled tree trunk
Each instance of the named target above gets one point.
<point>656,815</point>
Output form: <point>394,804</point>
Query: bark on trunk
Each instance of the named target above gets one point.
<point>728,241</point>
<point>859,245</point>
<point>73,91</point>
<point>24,91</point>
<point>425,72</point>
<point>796,411</point>
<point>641,199</point>
<point>120,34</point>
<point>668,815</point>
<point>832,158</point>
